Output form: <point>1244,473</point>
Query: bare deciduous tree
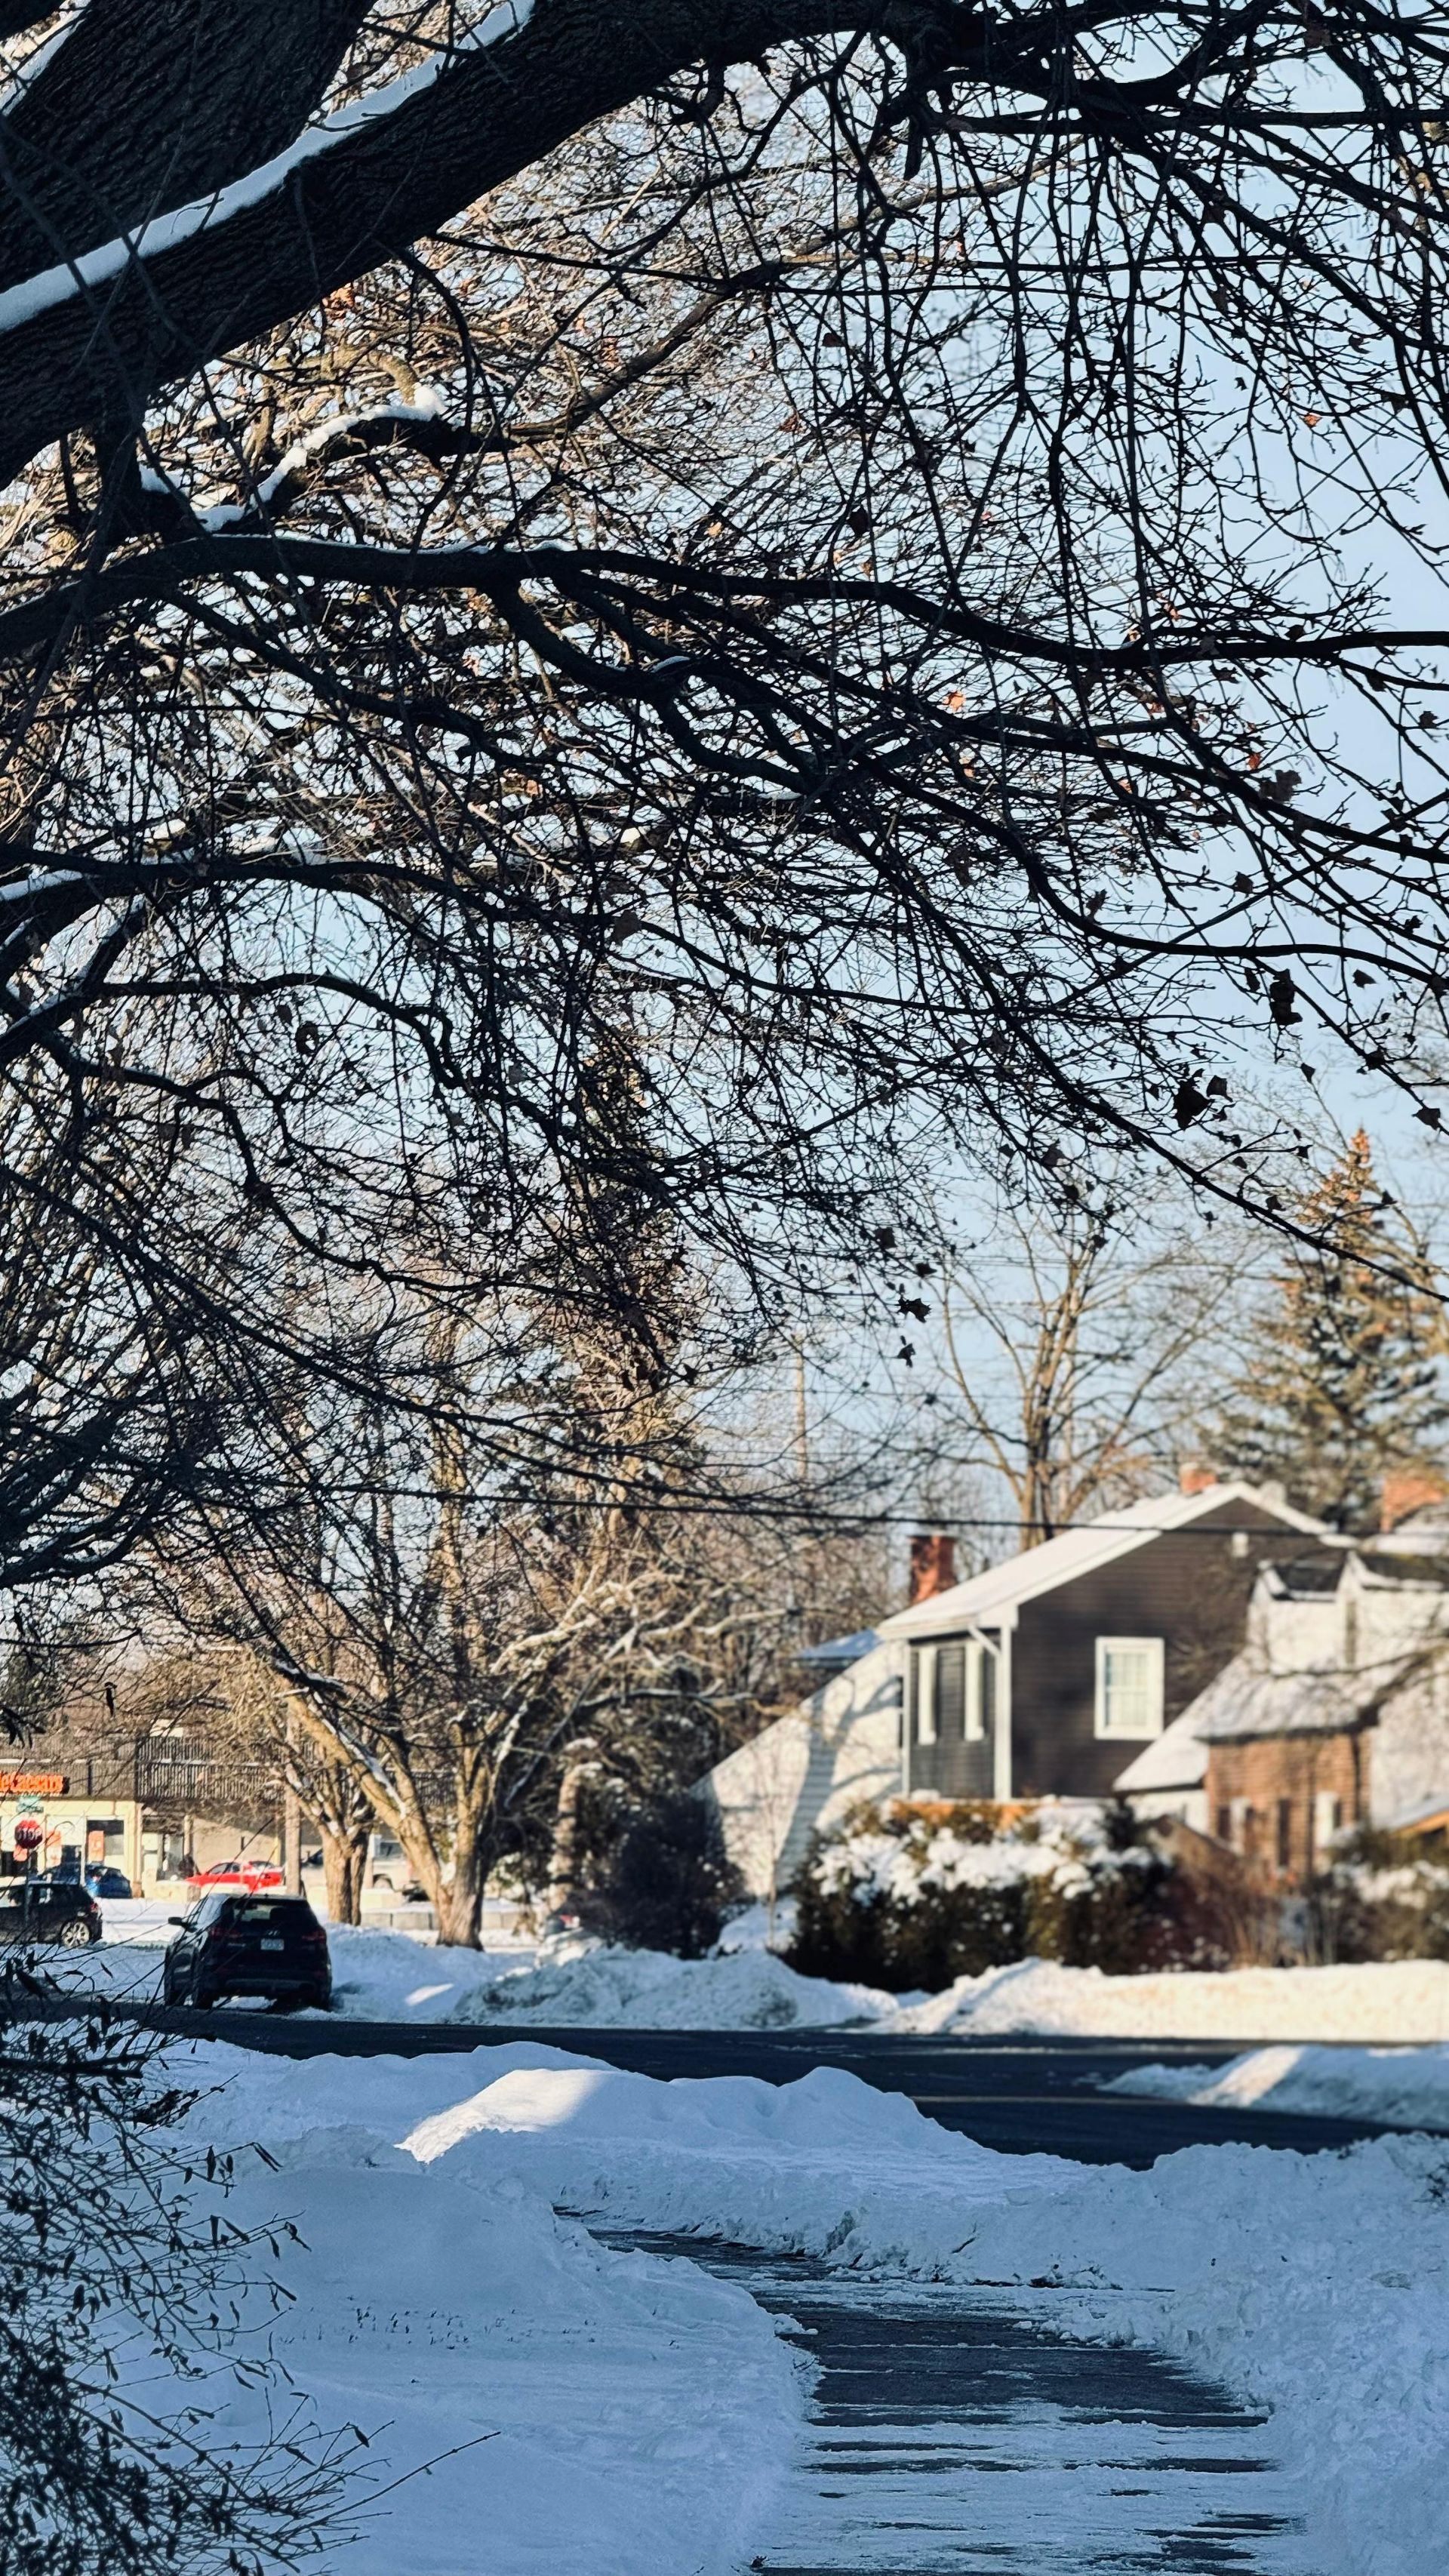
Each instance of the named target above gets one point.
<point>1081,1382</point>
<point>748,523</point>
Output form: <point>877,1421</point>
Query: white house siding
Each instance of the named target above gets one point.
<point>803,1773</point>
<point>1409,1754</point>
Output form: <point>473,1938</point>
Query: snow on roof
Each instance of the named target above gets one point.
<point>1249,1698</point>
<point>839,1651</point>
<point>1423,1812</point>
<point>983,1597</point>
<point>1176,1759</point>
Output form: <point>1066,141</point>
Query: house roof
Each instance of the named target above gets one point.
<point>1176,1759</point>
<point>834,1653</point>
<point>1247,1698</point>
<point>984,1597</point>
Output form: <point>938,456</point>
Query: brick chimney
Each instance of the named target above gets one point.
<point>1408,1489</point>
<point>933,1564</point>
<point>1195,1475</point>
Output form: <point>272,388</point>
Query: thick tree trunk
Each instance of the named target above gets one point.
<point>563,1867</point>
<point>344,1858</point>
<point>459,1907</point>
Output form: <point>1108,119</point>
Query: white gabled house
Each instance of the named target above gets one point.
<point>1031,1680</point>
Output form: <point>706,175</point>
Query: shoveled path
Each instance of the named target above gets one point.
<point>1019,2095</point>
<point>963,2432</point>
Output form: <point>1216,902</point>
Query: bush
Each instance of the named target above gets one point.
<point>921,1896</point>
<point>1385,1897</point>
<point>669,1884</point>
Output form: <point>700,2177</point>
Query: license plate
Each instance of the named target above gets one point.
<point>270,1942</point>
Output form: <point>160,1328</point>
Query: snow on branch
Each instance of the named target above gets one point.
<point>93,268</point>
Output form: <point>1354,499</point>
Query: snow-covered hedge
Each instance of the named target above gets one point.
<point>911,1897</point>
<point>1385,1897</point>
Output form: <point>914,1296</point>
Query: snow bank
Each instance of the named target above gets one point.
<point>1406,2087</point>
<point>578,1985</point>
<point>770,2164</point>
<point>397,1976</point>
<point>572,2407</point>
<point>1315,2286</point>
<point>1405,2001</point>
<point>404,1976</point>
<point>748,1989</point>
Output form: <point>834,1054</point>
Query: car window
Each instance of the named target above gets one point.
<point>277,1911</point>
<point>13,1896</point>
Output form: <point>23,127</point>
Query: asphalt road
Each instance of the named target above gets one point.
<point>1023,2096</point>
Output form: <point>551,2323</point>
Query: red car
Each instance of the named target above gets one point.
<point>247,1875</point>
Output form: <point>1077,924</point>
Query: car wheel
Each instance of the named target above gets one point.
<point>75,1935</point>
<point>201,1996</point>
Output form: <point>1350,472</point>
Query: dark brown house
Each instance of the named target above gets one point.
<point>1042,1676</point>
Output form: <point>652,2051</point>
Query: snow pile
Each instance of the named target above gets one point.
<point>1315,2286</point>
<point>585,1985</point>
<point>796,2164</point>
<point>1408,2088</point>
<point>399,1976</point>
<point>1406,2000</point>
<point>578,2407</point>
<point>569,1984</point>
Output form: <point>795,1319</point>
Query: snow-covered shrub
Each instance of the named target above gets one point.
<point>1385,1896</point>
<point>917,1896</point>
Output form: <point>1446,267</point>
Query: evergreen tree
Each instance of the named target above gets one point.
<point>1344,1378</point>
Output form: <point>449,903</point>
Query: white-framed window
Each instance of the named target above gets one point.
<point>975,1726</point>
<point>1129,1686</point>
<point>926,1695</point>
<point>1327,1821</point>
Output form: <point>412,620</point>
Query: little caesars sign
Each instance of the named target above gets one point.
<point>29,1831</point>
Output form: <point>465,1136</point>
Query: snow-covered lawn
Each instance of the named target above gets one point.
<point>647,2415</point>
<point>1407,2001</point>
<point>1406,2087</point>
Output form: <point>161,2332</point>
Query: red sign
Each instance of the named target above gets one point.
<point>29,1834</point>
<point>32,1784</point>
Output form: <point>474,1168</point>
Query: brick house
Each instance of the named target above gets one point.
<point>1335,1712</point>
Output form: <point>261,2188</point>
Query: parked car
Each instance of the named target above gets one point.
<point>230,1944</point>
<point>103,1880</point>
<point>46,1910</point>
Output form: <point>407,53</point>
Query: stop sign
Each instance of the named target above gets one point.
<point>29,1834</point>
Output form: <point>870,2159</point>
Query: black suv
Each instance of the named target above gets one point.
<point>248,1945</point>
<point>43,1910</point>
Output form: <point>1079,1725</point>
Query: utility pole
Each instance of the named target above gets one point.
<point>291,1823</point>
<point>802,1421</point>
